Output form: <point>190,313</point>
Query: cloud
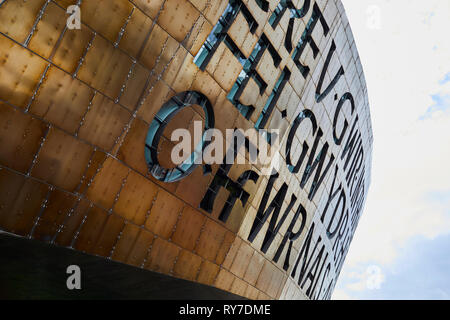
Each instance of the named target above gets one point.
<point>339,294</point>
<point>371,279</point>
<point>445,80</point>
<point>420,272</point>
<point>409,89</point>
<point>441,104</point>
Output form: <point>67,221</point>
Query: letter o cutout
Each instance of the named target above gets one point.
<point>165,114</point>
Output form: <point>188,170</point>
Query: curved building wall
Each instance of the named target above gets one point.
<point>84,144</point>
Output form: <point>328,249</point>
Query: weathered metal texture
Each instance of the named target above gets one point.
<point>76,106</point>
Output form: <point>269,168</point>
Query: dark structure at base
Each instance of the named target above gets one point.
<point>35,270</point>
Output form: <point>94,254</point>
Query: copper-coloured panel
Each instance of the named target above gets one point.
<point>227,70</point>
<point>105,67</point>
<point>198,35</point>
<point>186,74</point>
<point>95,164</point>
<point>135,33</point>
<point>224,280</point>
<point>107,183</point>
<point>178,16</point>
<point>48,30</point>
<point>239,287</point>
<point>160,47</point>
<point>240,262</point>
<point>213,10</point>
<point>164,214</point>
<point>270,279</point>
<point>62,160</point>
<point>133,147</point>
<point>158,93</point>
<point>125,243</point>
<point>150,7</point>
<point>188,228</point>
<point>20,137</point>
<point>17,18</point>
<point>251,293</point>
<point>134,87</point>
<point>20,72</point>
<point>91,230</point>
<point>231,253</point>
<point>108,238</point>
<point>211,238</point>
<point>104,122</point>
<point>21,200</point>
<point>62,100</point>
<point>162,256</point>
<point>58,208</point>
<point>225,247</point>
<point>255,266</point>
<point>106,16</point>
<point>141,248</point>
<point>205,83</point>
<point>208,273</point>
<point>72,223</point>
<point>171,68</point>
<point>136,198</point>
<point>72,48</point>
<point>187,266</point>
<point>193,188</point>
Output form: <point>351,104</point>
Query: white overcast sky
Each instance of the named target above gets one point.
<point>401,249</point>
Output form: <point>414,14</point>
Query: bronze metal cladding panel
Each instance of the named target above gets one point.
<point>78,110</point>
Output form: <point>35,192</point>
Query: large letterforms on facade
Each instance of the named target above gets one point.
<point>85,150</point>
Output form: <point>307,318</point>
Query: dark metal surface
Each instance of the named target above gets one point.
<point>30,269</point>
